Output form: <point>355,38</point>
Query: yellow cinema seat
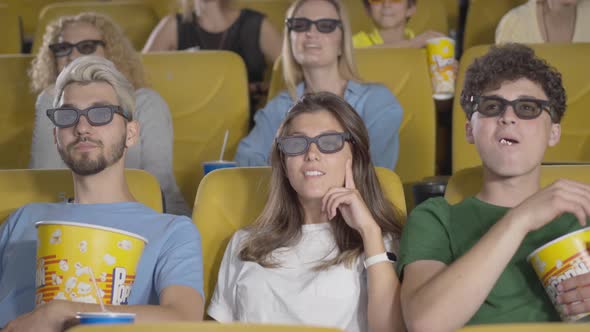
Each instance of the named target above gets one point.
<point>528,327</point>
<point>18,111</point>
<point>468,182</point>
<point>482,19</point>
<point>430,15</point>
<point>232,198</point>
<point>22,186</point>
<point>28,12</point>
<point>207,95</point>
<point>571,60</point>
<point>11,35</point>
<point>405,73</point>
<point>200,327</point>
<point>136,19</point>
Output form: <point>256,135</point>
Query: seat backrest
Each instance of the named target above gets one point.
<point>571,61</point>
<point>10,27</point>
<point>28,12</point>
<point>468,182</point>
<point>405,73</point>
<point>483,17</point>
<point>18,111</point>
<point>22,186</point>
<point>201,327</point>
<point>207,94</point>
<point>232,198</point>
<point>135,18</point>
<point>528,327</point>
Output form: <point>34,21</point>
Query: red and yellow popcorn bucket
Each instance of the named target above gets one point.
<point>68,253</point>
<point>441,61</point>
<point>561,259</point>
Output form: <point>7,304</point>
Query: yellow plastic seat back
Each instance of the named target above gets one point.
<point>483,17</point>
<point>232,198</point>
<point>207,94</point>
<point>468,182</point>
<point>28,12</point>
<point>10,27</point>
<point>405,73</point>
<point>18,111</point>
<point>528,327</point>
<point>571,61</point>
<point>22,186</point>
<point>200,327</point>
<point>135,18</point>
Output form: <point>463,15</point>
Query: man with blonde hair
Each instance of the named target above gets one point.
<point>94,127</point>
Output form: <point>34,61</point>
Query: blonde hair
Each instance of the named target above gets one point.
<point>279,224</point>
<point>292,71</point>
<point>90,69</point>
<point>118,49</point>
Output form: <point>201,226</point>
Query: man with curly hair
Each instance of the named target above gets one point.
<point>466,263</point>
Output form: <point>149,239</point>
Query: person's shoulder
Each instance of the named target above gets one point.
<point>435,208</point>
<point>33,211</point>
<point>371,88</point>
<point>279,103</point>
<point>519,14</point>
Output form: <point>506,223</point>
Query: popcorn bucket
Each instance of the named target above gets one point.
<point>441,60</point>
<point>67,252</point>
<point>561,259</point>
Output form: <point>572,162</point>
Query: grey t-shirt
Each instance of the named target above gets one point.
<point>152,153</point>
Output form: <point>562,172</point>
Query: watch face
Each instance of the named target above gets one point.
<point>391,256</point>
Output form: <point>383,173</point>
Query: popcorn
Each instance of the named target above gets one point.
<point>60,296</point>
<point>83,246</point>
<point>86,299</point>
<point>55,279</point>
<point>70,284</point>
<point>103,277</point>
<point>109,259</point>
<point>55,237</point>
<point>84,288</point>
<point>63,265</point>
<point>124,244</point>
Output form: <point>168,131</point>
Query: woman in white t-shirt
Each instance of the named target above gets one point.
<point>303,260</point>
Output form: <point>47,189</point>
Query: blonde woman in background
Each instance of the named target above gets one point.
<point>70,37</point>
<point>317,56</point>
<point>320,253</point>
<point>546,21</point>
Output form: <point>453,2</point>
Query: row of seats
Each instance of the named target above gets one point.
<point>206,93</point>
<point>246,188</point>
<point>482,18</point>
<point>36,14</point>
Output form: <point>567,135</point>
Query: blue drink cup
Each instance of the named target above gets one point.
<point>209,166</point>
<point>93,318</point>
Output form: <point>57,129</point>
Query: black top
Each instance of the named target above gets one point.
<point>242,37</point>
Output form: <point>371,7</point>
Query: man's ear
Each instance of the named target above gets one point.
<point>555,134</point>
<point>469,132</point>
<point>133,130</point>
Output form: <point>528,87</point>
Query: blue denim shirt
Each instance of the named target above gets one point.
<point>376,105</point>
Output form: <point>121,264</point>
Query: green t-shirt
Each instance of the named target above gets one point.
<point>438,231</point>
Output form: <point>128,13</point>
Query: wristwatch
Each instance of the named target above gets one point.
<point>382,257</point>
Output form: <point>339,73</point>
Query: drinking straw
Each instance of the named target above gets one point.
<point>96,289</point>
<point>224,144</point>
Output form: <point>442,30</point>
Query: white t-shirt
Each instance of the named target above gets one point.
<point>293,293</point>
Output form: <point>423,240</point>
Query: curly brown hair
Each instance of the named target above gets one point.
<point>507,63</point>
<point>118,49</point>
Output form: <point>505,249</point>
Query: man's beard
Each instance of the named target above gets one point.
<point>86,166</point>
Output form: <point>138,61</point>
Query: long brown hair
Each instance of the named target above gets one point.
<point>118,49</point>
<point>279,224</point>
<point>292,71</point>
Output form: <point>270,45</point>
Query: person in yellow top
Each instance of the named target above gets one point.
<point>390,18</point>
